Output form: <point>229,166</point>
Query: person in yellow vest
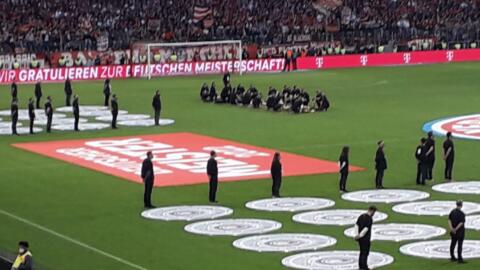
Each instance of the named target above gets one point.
<point>24,259</point>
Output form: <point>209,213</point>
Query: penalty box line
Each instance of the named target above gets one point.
<point>71,240</point>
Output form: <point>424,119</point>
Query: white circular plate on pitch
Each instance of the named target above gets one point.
<point>81,126</point>
<point>123,117</point>
<point>187,212</point>
<point>434,208</point>
<point>8,125</point>
<point>83,108</point>
<point>440,249</point>
<point>284,242</point>
<point>293,204</point>
<point>467,187</point>
<point>59,121</point>
<point>233,227</point>
<point>338,217</point>
<point>20,130</point>
<point>401,232</point>
<point>385,196</point>
<point>145,122</point>
<point>472,222</point>
<point>334,260</point>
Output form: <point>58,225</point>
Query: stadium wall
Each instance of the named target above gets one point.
<point>247,66</point>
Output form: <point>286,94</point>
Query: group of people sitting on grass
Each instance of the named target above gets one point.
<point>292,99</point>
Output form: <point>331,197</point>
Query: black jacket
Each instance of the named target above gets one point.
<point>147,170</point>
<point>48,109</point>
<point>68,87</point>
<point>380,160</point>
<point>276,169</point>
<point>76,107</point>
<point>212,169</point>
<point>157,103</point>
<point>31,110</point>
<point>114,105</point>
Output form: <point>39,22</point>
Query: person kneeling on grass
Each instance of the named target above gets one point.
<point>205,93</point>
<point>213,93</point>
<point>257,101</point>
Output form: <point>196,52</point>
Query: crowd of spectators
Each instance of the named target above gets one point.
<point>59,25</point>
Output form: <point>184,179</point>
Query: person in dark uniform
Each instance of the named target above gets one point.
<point>448,156</point>
<point>157,107</point>
<point>76,112</point>
<point>24,260</point>
<point>421,162</point>
<point>226,79</point>
<point>363,228</point>
<point>204,92</point>
<point>31,114</point>
<point>14,90</point>
<point>148,177</point>
<point>114,110</point>
<point>49,113</point>
<point>38,93</point>
<point>276,172</point>
<point>456,222</point>
<point>107,90</point>
<point>380,165</point>
<point>213,93</point>
<point>212,172</point>
<point>14,115</point>
<point>344,168</point>
<point>430,156</point>
<point>68,92</point>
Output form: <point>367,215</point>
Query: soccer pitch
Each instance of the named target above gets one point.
<point>103,211</point>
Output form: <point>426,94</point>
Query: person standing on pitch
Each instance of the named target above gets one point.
<point>421,162</point>
<point>49,113</point>
<point>380,165</point>
<point>148,177</point>
<point>212,172</point>
<point>14,115</point>
<point>448,156</point>
<point>76,112</point>
<point>31,113</point>
<point>157,107</point>
<point>24,259</point>
<point>107,90</point>
<point>14,90</point>
<point>429,156</point>
<point>276,172</point>
<point>68,92</point>
<point>344,166</point>
<point>456,222</point>
<point>38,93</point>
<point>363,228</point>
<point>114,110</point>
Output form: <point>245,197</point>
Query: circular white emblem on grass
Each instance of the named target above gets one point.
<point>469,187</point>
<point>472,222</point>
<point>434,208</point>
<point>401,232</point>
<point>233,227</point>
<point>40,114</point>
<point>340,217</point>
<point>83,108</point>
<point>187,212</point>
<point>385,195</point>
<point>20,130</point>
<point>334,260</point>
<point>81,126</point>
<point>293,204</point>
<point>145,122</point>
<point>284,242</point>
<point>465,126</point>
<point>60,121</point>
<point>440,249</point>
<point>8,125</point>
<point>123,117</point>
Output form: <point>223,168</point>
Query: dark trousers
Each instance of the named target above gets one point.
<point>107,99</point>
<point>38,102</point>
<point>77,119</point>
<point>364,252</point>
<point>448,168</point>
<point>421,173</point>
<point>276,184</point>
<point>68,97</point>
<point>379,178</point>
<point>456,240</point>
<point>157,117</point>
<point>212,194</point>
<point>147,195</point>
<point>286,67</point>
<point>114,119</point>
<point>32,119</point>
<point>343,181</point>
<point>14,125</point>
<point>49,123</point>
<point>429,171</point>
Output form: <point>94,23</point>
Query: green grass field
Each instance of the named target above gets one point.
<point>103,211</point>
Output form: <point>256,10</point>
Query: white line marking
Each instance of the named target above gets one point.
<point>64,237</point>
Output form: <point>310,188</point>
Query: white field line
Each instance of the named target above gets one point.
<point>66,238</point>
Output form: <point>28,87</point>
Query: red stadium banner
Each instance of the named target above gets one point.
<point>247,66</point>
